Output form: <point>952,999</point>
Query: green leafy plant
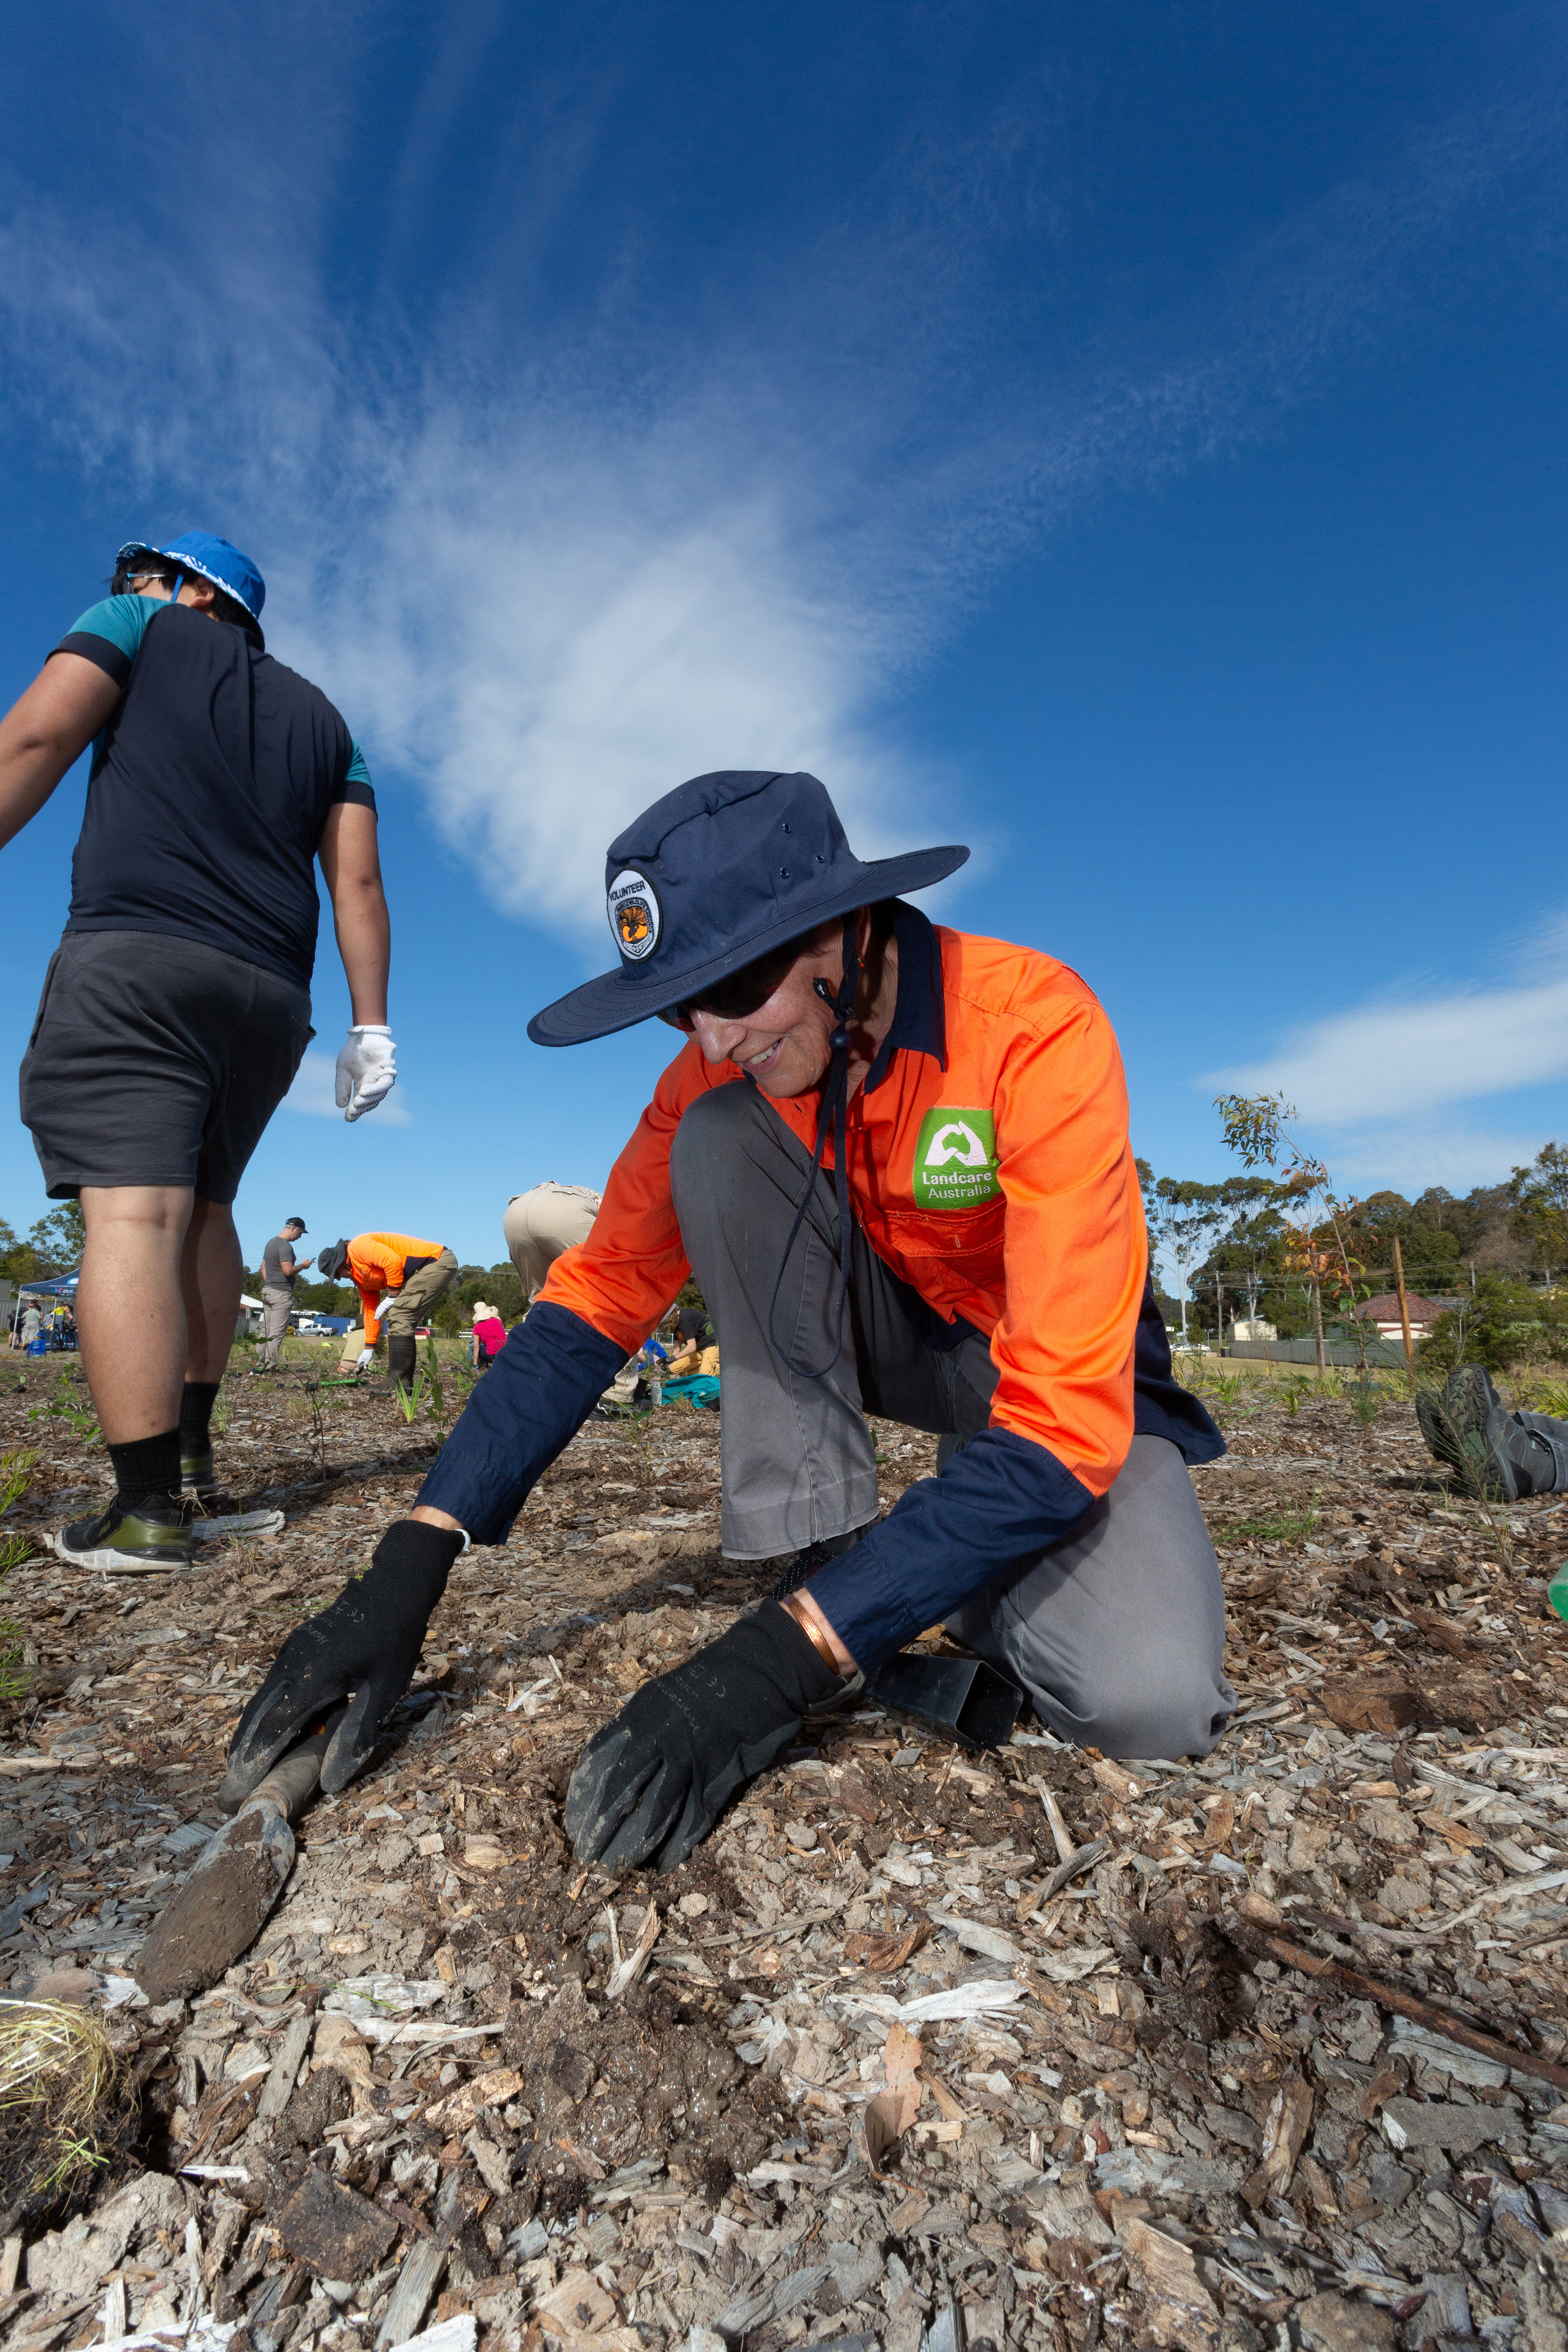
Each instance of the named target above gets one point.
<point>62,1406</point>
<point>1367,1400</point>
<point>16,1473</point>
<point>433,1380</point>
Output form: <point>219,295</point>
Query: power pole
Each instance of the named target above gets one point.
<point>1403,1309</point>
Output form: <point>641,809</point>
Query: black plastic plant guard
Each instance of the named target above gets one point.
<point>962,1696</point>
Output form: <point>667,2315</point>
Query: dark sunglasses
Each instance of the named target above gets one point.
<point>733,998</point>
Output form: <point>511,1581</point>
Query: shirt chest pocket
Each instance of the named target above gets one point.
<point>972,1238</point>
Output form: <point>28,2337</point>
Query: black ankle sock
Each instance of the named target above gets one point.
<point>195,1415</point>
<point>147,1467</point>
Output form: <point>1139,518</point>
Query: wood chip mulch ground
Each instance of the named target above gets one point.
<point>1030,2049</point>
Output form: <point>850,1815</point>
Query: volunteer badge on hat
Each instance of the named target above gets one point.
<point>632,909</point>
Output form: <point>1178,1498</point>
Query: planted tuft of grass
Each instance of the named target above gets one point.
<point>63,2112</point>
<point>1285,1527</point>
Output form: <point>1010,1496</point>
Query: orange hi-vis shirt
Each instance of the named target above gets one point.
<point>989,1167</point>
<point>379,1262</point>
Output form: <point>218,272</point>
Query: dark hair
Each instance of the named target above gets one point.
<point>146,564</point>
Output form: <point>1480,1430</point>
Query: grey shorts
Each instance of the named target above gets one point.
<point>156,1060</point>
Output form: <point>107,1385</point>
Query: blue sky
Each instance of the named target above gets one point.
<point>1129,440</point>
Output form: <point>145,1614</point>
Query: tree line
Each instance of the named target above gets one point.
<point>53,1246</point>
<point>1280,1244</point>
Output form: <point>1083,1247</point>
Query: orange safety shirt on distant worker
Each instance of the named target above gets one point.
<point>381,1262</point>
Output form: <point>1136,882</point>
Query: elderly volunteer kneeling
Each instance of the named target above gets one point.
<point>896,1157</point>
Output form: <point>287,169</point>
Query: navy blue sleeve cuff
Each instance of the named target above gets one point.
<point>1161,1406</point>
<point>530,1404</point>
<point>1002,1500</point>
<point>109,658</point>
<point>351,789</point>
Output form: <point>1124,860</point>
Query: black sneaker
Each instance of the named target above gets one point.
<point>151,1537</point>
<point>196,1475</point>
<point>804,1564</point>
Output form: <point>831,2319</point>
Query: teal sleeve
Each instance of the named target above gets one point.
<point>358,772</point>
<point>122,619</point>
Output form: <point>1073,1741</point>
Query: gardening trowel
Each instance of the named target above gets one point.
<point>236,1879</point>
<point>962,1696</point>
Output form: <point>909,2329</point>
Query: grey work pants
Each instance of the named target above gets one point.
<point>276,1307</point>
<point>1117,1632</point>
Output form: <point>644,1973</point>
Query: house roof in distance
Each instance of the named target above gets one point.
<point>1384,1308</point>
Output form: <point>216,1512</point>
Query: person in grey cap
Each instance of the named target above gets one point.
<point>177,1008</point>
<point>279,1266</point>
<point>896,1159</point>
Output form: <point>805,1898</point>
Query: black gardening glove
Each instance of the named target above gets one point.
<point>367,1643</point>
<point>650,1786</point>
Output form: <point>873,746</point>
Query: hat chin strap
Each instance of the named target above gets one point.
<point>834,1111</point>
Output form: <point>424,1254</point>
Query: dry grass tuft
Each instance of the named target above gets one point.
<point>60,2112</point>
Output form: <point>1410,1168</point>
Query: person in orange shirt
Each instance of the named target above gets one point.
<point>415,1273</point>
<point>897,1159</point>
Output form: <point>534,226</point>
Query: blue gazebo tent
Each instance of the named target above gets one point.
<point>61,1285</point>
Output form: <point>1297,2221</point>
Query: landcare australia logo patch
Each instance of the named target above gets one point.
<point>955,1159</point>
<point>633,911</point>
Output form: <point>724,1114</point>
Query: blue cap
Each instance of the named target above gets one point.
<point>211,559</point>
<point>718,872</point>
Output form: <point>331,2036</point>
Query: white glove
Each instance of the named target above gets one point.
<point>367,1070</point>
<point>366,1357</point>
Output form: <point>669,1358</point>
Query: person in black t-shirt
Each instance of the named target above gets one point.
<point>693,1335</point>
<point>177,1008</point>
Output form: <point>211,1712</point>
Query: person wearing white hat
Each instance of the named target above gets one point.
<point>489,1335</point>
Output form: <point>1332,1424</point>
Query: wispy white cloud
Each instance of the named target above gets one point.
<point>549,582</point>
<point>1396,1058</point>
<point>314,1094</point>
<point>1407,1157</point>
<point>1389,1086</point>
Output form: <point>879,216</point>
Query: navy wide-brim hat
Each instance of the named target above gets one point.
<point>720,871</point>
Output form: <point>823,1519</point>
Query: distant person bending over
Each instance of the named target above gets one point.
<point>541,1225</point>
<point>280,1267</point>
<point>32,1323</point>
<point>177,1008</point>
<point>416,1274</point>
<point>488,1335</point>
